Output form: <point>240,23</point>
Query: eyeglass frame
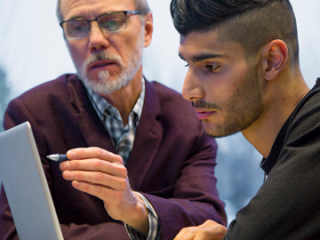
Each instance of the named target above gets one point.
<point>96,19</point>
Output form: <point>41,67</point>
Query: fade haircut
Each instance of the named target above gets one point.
<point>140,5</point>
<point>252,23</point>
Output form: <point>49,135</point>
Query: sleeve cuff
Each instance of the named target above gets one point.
<point>154,228</point>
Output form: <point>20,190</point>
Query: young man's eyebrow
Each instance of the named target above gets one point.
<point>203,56</point>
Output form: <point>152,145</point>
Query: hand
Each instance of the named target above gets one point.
<point>209,230</point>
<point>102,174</point>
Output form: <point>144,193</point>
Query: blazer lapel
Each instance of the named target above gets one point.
<point>148,134</point>
<point>147,140</point>
<point>90,124</point>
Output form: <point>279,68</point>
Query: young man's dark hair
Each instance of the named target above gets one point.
<point>252,23</point>
<point>244,75</point>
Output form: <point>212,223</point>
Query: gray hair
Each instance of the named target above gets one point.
<point>140,5</point>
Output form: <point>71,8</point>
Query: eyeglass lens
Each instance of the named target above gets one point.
<point>108,23</point>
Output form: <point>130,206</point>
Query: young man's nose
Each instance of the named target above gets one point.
<point>192,89</point>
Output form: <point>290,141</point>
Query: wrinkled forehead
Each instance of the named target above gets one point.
<point>93,8</point>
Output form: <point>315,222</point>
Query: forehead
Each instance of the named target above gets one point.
<point>93,8</point>
<point>197,43</point>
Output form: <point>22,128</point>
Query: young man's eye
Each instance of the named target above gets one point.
<point>187,65</point>
<point>212,67</point>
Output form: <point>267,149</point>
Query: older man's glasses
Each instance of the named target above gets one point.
<point>108,23</point>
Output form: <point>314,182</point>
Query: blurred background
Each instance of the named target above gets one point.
<point>32,51</point>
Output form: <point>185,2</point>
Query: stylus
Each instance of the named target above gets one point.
<point>58,157</point>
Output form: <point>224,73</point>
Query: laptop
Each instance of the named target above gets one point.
<point>26,186</point>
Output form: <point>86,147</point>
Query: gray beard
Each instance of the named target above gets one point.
<point>104,85</point>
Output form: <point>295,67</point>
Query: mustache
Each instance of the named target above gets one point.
<point>206,105</point>
<point>104,55</point>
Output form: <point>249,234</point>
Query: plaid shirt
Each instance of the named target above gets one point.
<point>123,139</point>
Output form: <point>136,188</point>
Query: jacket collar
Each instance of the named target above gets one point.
<point>148,138</point>
<point>148,134</point>
<point>89,123</point>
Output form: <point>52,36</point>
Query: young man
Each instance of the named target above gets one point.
<point>244,75</point>
<point>129,148</point>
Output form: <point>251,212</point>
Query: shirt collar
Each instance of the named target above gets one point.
<point>101,105</point>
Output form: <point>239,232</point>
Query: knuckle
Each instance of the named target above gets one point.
<point>78,175</point>
<point>81,151</point>
<point>118,159</point>
<point>125,172</point>
<point>122,171</point>
<point>94,152</point>
<point>98,188</point>
<point>98,164</point>
<point>74,164</point>
<point>123,185</point>
<point>99,177</point>
<point>185,231</point>
<point>84,186</point>
<point>203,232</point>
<point>209,223</point>
<point>99,153</point>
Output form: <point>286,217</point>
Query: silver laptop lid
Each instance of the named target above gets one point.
<point>26,186</point>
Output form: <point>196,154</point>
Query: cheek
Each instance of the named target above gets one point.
<point>77,54</point>
<point>121,47</point>
<point>233,78</point>
<point>218,85</point>
<point>132,42</point>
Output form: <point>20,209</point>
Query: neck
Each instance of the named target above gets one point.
<point>280,98</point>
<point>125,98</point>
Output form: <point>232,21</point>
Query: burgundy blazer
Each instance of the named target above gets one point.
<point>172,162</point>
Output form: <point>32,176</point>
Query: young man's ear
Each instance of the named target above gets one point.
<point>275,56</point>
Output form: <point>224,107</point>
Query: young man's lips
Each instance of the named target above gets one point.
<point>204,115</point>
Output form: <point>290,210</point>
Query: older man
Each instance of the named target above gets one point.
<point>139,159</point>
<point>244,75</point>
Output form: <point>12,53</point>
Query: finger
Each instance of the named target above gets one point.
<point>93,153</point>
<point>216,232</point>
<point>109,196</point>
<point>208,223</point>
<point>95,165</point>
<point>187,233</point>
<point>98,178</point>
<point>112,199</point>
